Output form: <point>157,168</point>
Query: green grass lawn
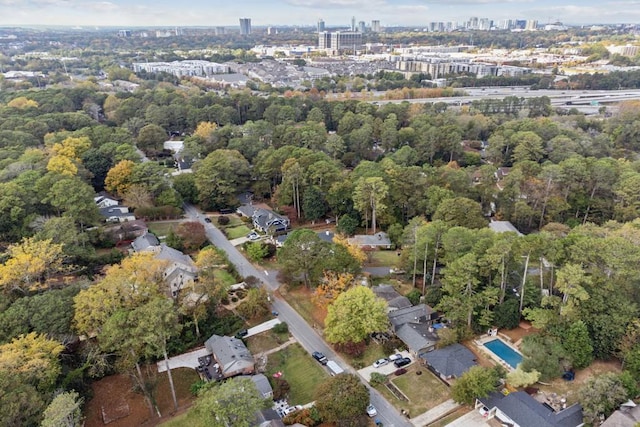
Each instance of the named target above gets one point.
<point>372,353</point>
<point>300,370</point>
<point>236,232</point>
<point>162,228</point>
<point>265,341</point>
<point>225,277</point>
<point>234,221</point>
<point>425,391</point>
<point>382,258</point>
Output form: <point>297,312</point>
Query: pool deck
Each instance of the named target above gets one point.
<point>481,340</point>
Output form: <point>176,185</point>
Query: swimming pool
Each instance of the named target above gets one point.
<point>504,352</point>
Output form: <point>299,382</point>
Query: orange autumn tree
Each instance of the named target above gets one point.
<point>353,250</point>
<point>331,287</point>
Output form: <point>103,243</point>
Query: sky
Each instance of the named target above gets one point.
<point>210,13</point>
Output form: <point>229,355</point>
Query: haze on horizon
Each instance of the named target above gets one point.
<point>209,13</point>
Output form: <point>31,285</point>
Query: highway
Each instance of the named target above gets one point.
<point>299,328</point>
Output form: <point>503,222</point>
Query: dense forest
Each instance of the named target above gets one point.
<point>431,176</point>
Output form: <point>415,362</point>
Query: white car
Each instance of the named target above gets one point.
<point>253,236</point>
<point>380,362</point>
<point>372,411</point>
<point>394,357</point>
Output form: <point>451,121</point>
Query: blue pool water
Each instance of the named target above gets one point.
<point>504,352</point>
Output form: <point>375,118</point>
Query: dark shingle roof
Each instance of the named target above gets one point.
<point>528,412</point>
<point>146,241</point>
<point>451,361</point>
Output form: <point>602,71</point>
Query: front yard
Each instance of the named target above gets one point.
<point>424,391</point>
<point>265,341</point>
<point>299,369</point>
<point>382,259</point>
<point>162,228</point>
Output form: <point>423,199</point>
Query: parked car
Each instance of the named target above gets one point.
<point>319,357</point>
<point>207,219</point>
<point>372,411</point>
<point>395,357</point>
<point>402,362</point>
<point>242,333</point>
<point>484,411</point>
<point>380,362</point>
<point>400,371</point>
<point>253,236</point>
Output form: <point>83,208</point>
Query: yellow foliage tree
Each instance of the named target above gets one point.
<point>62,165</point>
<point>35,357</point>
<point>29,262</point>
<point>331,287</point>
<point>205,129</point>
<point>73,148</point>
<point>118,178</point>
<point>127,285</point>
<point>22,102</point>
<point>353,250</point>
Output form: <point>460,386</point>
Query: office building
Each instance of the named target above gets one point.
<point>340,41</point>
<point>531,25</point>
<point>320,25</point>
<point>124,33</point>
<point>324,40</point>
<point>245,26</point>
<point>219,31</point>
<point>353,23</point>
<point>362,27</point>
<point>375,26</point>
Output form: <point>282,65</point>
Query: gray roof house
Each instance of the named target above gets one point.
<point>117,213</point>
<point>104,200</point>
<point>626,416</point>
<point>378,240</point>
<point>413,326</point>
<point>264,220</point>
<point>394,300</point>
<point>145,242</point>
<point>451,361</point>
<point>180,268</point>
<point>263,385</point>
<point>518,409</point>
<point>232,356</point>
<point>504,227</point>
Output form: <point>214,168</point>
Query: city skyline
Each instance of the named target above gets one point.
<point>416,13</point>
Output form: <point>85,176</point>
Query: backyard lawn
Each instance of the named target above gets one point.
<point>382,258</point>
<point>224,277</point>
<point>424,391</point>
<point>300,370</point>
<point>161,228</point>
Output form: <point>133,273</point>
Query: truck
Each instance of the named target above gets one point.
<point>334,368</point>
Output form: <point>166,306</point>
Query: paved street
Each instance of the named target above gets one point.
<point>301,331</point>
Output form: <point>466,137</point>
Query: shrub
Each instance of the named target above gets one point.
<point>390,345</point>
<point>223,220</point>
<point>414,296</point>
<point>401,371</point>
<point>281,328</point>
<point>378,378</point>
<point>280,389</point>
<point>353,349</point>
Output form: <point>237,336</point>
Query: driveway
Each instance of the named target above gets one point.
<point>185,360</point>
<point>378,271</point>
<point>472,419</point>
<point>262,327</point>
<point>387,369</point>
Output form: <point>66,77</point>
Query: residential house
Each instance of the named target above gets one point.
<point>518,409</point>
<point>627,416</point>
<point>127,230</point>
<point>380,240</point>
<point>231,355</point>
<point>117,214</point>
<point>504,227</point>
<point>264,220</point>
<point>413,325</point>
<point>104,200</point>
<point>180,268</point>
<point>263,385</point>
<point>394,300</point>
<point>451,361</point>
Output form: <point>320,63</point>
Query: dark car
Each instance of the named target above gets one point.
<point>319,357</point>
<point>242,333</point>
<point>226,211</point>
<point>207,219</point>
<point>402,362</point>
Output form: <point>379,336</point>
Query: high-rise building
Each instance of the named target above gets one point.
<point>320,25</point>
<point>124,33</point>
<point>531,25</point>
<point>362,27</point>
<point>272,31</point>
<point>353,23</point>
<point>375,26</point>
<point>245,26</point>
<point>340,41</point>
<point>324,40</point>
<point>219,31</point>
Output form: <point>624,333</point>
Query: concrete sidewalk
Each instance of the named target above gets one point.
<point>434,414</point>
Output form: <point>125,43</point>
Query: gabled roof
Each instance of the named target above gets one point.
<point>416,336</point>
<point>115,211</point>
<point>246,210</point>
<point>173,255</point>
<point>415,314</point>
<point>144,242</point>
<point>231,354</point>
<point>262,384</point>
<point>528,412</point>
<point>391,296</point>
<point>623,417</point>
<point>451,361</point>
<point>264,218</point>
<point>503,227</point>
